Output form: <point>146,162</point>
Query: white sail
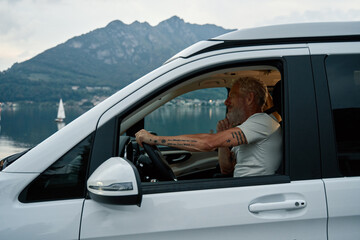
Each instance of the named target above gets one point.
<point>61,112</point>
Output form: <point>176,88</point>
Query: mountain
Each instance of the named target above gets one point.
<point>101,61</point>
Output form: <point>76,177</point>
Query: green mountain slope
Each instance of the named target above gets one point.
<point>101,61</point>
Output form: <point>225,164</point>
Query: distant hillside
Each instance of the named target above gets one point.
<point>101,61</point>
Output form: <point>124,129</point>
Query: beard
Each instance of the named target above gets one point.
<point>236,117</point>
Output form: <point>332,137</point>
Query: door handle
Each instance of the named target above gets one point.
<point>181,158</point>
<point>177,158</point>
<point>283,205</point>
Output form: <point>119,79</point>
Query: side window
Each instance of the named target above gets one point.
<point>195,105</point>
<point>194,112</point>
<point>343,72</point>
<point>65,179</point>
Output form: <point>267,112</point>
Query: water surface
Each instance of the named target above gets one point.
<point>26,126</point>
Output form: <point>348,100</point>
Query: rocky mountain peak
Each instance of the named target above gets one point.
<point>105,58</point>
<point>115,24</point>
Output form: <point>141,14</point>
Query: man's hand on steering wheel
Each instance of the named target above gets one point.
<point>146,140</point>
<point>144,136</point>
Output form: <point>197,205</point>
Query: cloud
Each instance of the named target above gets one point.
<point>325,15</point>
<point>8,20</point>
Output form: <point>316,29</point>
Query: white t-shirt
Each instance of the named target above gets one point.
<point>263,153</point>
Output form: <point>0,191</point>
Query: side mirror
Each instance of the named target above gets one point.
<point>116,181</point>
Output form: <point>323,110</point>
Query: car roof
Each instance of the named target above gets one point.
<point>295,30</point>
<point>277,34</point>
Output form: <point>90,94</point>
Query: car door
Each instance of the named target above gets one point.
<point>338,79</point>
<point>287,206</point>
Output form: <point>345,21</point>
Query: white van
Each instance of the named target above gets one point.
<point>91,180</point>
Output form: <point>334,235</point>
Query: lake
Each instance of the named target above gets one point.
<point>25,126</point>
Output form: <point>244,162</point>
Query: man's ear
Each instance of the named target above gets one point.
<point>250,98</point>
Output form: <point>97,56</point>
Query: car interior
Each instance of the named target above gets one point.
<point>158,163</point>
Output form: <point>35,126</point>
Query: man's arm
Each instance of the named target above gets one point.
<point>227,160</point>
<point>195,142</point>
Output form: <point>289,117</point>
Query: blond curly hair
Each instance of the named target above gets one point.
<point>254,85</point>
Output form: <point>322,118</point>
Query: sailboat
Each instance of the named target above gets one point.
<point>61,112</point>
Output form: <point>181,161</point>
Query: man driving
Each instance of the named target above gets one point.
<point>249,141</point>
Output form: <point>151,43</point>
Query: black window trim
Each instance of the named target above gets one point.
<point>329,164</point>
<point>302,148</point>
<point>214,183</point>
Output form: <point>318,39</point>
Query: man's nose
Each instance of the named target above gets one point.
<point>227,102</point>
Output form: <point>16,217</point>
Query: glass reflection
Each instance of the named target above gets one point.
<point>9,147</point>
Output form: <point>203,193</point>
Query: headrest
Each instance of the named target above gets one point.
<point>276,96</point>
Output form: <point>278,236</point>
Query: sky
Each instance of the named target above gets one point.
<point>29,27</point>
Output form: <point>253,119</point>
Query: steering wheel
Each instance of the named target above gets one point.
<point>164,172</point>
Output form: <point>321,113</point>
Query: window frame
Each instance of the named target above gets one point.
<point>203,184</point>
